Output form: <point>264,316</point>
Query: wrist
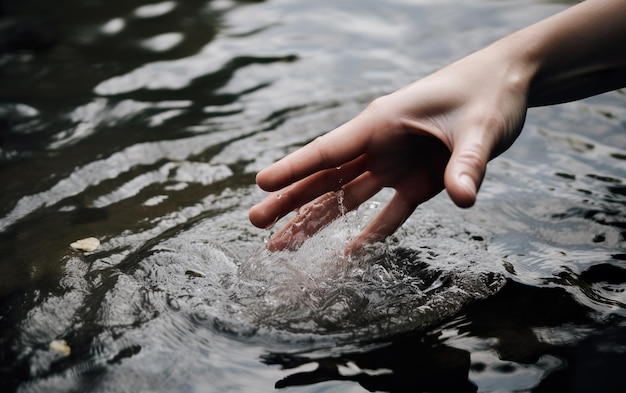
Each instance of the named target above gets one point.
<point>574,54</point>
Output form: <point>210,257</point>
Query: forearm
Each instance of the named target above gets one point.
<point>577,53</point>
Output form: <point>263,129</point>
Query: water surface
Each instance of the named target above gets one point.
<point>143,124</point>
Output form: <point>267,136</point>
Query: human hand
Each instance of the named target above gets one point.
<point>436,133</point>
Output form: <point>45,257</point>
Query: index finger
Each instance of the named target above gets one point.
<point>339,146</point>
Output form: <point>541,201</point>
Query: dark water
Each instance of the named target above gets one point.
<point>142,124</point>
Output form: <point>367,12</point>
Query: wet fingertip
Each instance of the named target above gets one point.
<point>358,247</point>
<point>354,249</point>
<point>281,243</point>
<point>272,246</point>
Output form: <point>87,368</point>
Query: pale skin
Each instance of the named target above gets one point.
<point>441,131</point>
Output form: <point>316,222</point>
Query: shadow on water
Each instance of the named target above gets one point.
<point>416,363</point>
<point>528,343</point>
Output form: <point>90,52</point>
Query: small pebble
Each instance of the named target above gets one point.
<point>88,244</point>
<point>61,347</point>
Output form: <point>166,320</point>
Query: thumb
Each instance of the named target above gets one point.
<point>466,168</point>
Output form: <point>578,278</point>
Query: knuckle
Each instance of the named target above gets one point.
<point>474,158</point>
<point>379,104</point>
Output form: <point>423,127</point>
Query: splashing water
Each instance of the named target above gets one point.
<point>388,288</point>
<point>317,289</point>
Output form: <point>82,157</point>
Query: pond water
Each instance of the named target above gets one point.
<point>142,124</point>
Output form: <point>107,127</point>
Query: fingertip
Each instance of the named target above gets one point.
<point>464,174</point>
<point>274,246</point>
<point>355,248</point>
<point>259,218</point>
<point>254,218</point>
<point>362,245</point>
<point>464,195</point>
<point>462,186</point>
<point>263,180</point>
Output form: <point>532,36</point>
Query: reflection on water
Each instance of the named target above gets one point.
<point>143,123</point>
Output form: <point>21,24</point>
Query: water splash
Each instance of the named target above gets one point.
<point>388,288</point>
